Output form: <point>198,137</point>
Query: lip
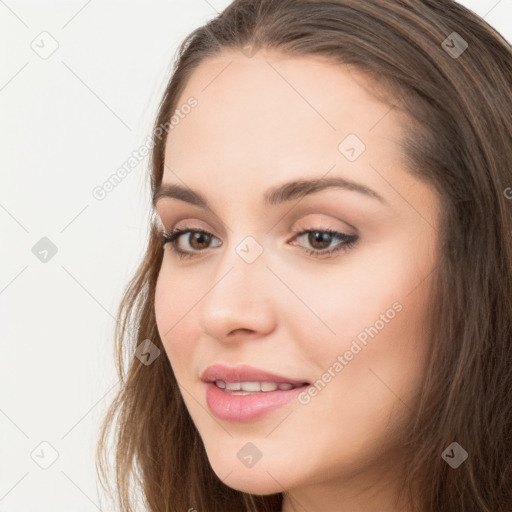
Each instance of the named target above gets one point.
<point>244,373</point>
<point>249,407</point>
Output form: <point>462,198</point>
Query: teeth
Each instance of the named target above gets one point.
<point>250,386</point>
<point>268,386</point>
<point>253,386</point>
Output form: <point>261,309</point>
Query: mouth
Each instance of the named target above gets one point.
<point>254,387</point>
<point>244,393</point>
<point>248,378</point>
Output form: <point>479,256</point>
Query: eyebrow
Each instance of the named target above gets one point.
<point>273,196</point>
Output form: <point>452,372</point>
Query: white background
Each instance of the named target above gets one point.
<point>67,123</point>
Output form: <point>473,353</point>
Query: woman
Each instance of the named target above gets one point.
<point>322,320</point>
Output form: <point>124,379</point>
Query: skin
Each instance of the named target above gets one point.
<point>262,121</point>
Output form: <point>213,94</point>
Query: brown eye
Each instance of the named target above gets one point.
<point>320,239</point>
<point>199,240</point>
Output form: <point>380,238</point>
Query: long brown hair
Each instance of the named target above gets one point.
<point>457,101</point>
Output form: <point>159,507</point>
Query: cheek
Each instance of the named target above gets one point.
<point>386,289</point>
<point>363,399</point>
<point>174,302</point>
<point>377,315</point>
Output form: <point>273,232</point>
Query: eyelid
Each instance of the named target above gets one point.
<point>325,225</point>
<point>178,219</point>
<point>315,224</point>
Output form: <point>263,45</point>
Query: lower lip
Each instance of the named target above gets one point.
<point>246,407</point>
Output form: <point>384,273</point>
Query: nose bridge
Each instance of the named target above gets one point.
<point>239,296</point>
<point>243,254</point>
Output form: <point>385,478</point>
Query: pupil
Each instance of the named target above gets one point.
<point>198,238</point>
<point>318,236</point>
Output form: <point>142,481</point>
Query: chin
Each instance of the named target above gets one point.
<point>263,478</point>
<point>252,482</point>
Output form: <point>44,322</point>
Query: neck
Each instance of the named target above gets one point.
<point>360,493</point>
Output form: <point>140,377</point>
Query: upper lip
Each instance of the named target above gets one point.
<point>244,373</point>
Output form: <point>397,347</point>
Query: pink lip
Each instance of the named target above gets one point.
<point>245,407</point>
<point>244,373</point>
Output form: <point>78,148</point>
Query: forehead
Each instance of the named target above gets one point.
<point>275,115</point>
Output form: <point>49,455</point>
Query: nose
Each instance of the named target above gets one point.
<point>240,302</point>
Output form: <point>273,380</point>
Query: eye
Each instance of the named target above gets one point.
<point>200,237</point>
<point>320,238</point>
<point>200,241</point>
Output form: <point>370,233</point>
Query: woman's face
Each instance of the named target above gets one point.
<point>350,325</point>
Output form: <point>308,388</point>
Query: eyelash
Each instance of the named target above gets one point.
<point>347,242</point>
